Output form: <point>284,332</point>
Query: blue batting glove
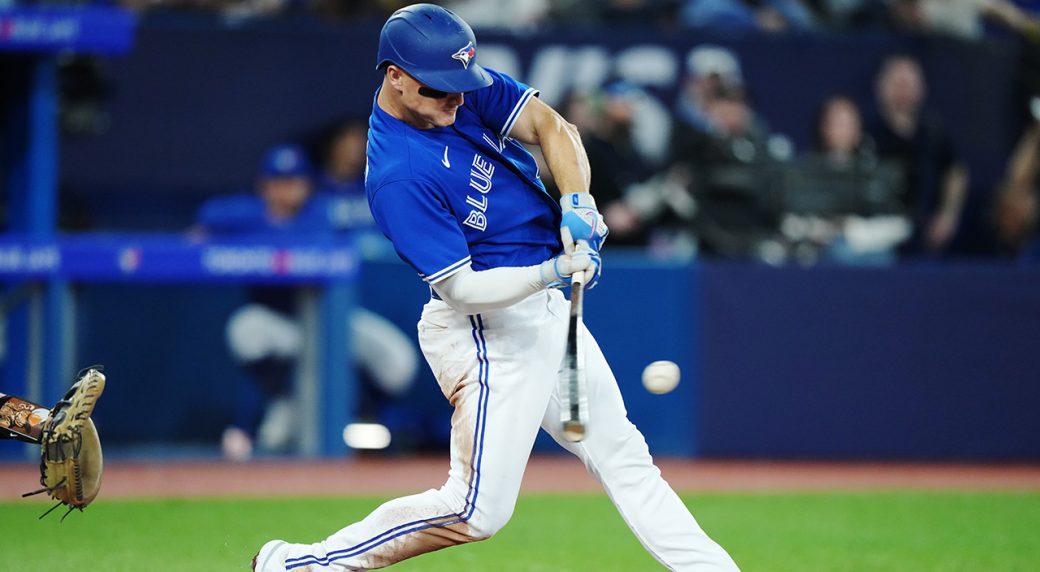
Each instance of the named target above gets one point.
<point>582,220</point>
<point>557,272</point>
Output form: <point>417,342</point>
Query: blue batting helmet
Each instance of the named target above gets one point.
<point>434,46</point>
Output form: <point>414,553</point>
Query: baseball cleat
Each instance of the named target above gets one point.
<point>266,556</point>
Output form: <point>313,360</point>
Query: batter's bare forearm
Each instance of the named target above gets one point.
<point>566,158</point>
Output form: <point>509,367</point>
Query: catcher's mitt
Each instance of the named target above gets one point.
<point>71,462</point>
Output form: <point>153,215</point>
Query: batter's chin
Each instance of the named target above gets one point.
<point>447,119</point>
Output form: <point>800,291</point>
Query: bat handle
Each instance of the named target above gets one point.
<point>578,278</point>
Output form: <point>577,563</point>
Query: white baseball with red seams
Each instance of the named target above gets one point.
<point>661,376</point>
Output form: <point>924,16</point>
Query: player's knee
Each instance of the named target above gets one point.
<point>485,524</point>
<point>255,332</point>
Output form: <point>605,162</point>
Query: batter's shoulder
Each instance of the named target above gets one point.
<point>402,162</point>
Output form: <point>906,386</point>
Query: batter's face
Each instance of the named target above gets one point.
<point>419,105</point>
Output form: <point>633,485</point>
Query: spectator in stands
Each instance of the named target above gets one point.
<point>639,13</point>
<point>264,335</point>
<point>231,10</point>
<point>342,175</point>
<point>340,11</point>
<point>502,14</point>
<point>960,18</point>
<point>722,152</point>
<point>898,16</point>
<point>766,16</point>
<point>839,136</point>
<point>836,13</point>
<point>708,69</point>
<point>1016,209</point>
<point>914,137</point>
<point>840,203</point>
<point>605,121</point>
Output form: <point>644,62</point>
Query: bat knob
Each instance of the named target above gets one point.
<point>574,431</point>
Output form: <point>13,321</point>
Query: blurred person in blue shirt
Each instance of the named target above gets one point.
<point>264,336</point>
<point>281,203</point>
<point>768,16</point>
<point>342,177</point>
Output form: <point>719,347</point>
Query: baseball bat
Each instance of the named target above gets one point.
<point>574,413</point>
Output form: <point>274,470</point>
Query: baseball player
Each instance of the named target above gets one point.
<point>457,194</point>
<point>265,336</point>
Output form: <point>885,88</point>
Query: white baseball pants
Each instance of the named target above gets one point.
<point>499,370</point>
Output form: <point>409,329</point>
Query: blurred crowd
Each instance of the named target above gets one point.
<point>881,178</point>
<point>962,18</point>
<point>876,183</point>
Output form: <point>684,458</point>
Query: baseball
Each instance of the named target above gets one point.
<point>661,376</point>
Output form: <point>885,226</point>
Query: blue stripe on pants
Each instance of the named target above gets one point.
<point>474,482</point>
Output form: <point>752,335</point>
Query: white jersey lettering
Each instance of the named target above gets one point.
<point>476,220</point>
<point>481,204</point>
<point>480,179</point>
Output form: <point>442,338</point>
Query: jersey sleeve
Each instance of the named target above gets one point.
<point>423,230</point>
<point>499,105</point>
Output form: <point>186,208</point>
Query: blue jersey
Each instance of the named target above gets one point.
<point>245,216</point>
<point>348,201</point>
<point>466,194</point>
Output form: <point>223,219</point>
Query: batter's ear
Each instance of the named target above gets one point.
<point>395,76</point>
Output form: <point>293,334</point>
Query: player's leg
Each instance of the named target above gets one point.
<point>615,452</point>
<point>497,370</point>
<point>266,344</point>
<point>383,351</point>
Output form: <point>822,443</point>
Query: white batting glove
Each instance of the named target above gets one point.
<point>584,261</point>
<point>581,221</point>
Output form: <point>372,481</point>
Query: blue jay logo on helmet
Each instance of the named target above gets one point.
<point>464,55</point>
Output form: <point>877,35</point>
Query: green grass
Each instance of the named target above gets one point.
<point>890,532</point>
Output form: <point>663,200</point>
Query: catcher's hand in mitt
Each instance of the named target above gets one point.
<point>71,462</point>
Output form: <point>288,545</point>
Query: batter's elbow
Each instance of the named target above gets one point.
<point>569,128</point>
